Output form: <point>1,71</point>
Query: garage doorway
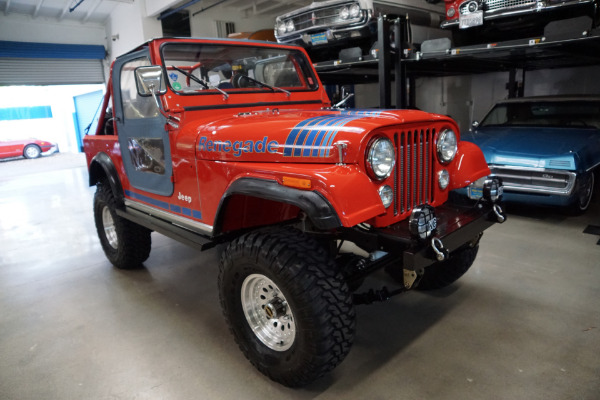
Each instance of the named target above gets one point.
<point>86,107</point>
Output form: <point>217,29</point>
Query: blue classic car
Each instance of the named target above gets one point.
<point>546,150</point>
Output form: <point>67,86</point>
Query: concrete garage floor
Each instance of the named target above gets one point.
<point>524,323</point>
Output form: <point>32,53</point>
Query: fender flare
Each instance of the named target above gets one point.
<point>102,165</point>
<point>313,203</point>
<point>470,165</point>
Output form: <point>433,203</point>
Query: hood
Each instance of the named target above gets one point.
<point>294,135</point>
<point>533,146</point>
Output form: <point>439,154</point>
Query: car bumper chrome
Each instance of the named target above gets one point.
<point>535,180</point>
<point>516,12</point>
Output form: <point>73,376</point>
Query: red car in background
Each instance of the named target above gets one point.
<point>28,148</point>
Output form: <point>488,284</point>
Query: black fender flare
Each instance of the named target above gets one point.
<point>314,204</point>
<point>102,165</point>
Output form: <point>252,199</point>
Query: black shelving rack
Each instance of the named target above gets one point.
<point>398,64</point>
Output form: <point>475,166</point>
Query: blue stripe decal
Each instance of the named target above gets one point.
<point>291,140</point>
<point>154,202</point>
<point>331,135</point>
<point>315,138</point>
<point>311,131</point>
<point>174,208</point>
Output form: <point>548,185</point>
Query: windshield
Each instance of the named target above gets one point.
<point>556,113</point>
<point>197,68</point>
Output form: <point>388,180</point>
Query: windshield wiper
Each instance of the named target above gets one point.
<point>200,81</point>
<point>273,88</point>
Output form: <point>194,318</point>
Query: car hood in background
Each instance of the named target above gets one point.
<point>537,146</point>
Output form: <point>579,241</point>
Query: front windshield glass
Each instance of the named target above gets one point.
<point>545,113</point>
<point>198,68</point>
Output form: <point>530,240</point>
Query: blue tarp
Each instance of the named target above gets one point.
<point>10,49</point>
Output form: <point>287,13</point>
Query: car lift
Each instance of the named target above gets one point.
<point>436,58</point>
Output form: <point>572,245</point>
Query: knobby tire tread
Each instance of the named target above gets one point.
<point>308,274</point>
<point>135,241</point>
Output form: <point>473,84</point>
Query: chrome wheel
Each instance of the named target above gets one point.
<point>268,312</point>
<point>32,151</point>
<point>109,228</point>
<point>586,191</point>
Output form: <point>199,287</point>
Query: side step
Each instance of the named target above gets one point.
<point>186,236</point>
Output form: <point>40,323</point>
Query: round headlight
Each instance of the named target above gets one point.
<point>446,146</point>
<point>381,158</point>
<point>289,26</point>
<point>354,10</point>
<point>443,179</point>
<point>450,13</point>
<point>280,27</point>
<point>472,6</point>
<point>344,13</point>
<point>387,195</point>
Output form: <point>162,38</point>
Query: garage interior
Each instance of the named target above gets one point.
<point>523,322</point>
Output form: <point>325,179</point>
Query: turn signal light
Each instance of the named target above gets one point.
<point>299,183</point>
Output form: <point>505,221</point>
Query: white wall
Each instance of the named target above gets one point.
<point>21,28</point>
<point>203,24</point>
<point>133,28</point>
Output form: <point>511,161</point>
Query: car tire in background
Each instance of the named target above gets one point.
<point>584,194</point>
<point>32,151</point>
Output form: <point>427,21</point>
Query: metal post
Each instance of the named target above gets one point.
<point>383,53</point>
<point>400,27</point>
<point>512,83</point>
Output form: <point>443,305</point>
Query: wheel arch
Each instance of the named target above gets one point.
<point>103,168</point>
<point>312,203</point>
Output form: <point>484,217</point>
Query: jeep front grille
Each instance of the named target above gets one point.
<point>535,180</point>
<point>413,179</point>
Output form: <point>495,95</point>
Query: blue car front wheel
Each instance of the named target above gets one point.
<point>584,194</point>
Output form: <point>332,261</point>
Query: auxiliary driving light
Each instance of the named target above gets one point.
<point>422,221</point>
<point>492,189</point>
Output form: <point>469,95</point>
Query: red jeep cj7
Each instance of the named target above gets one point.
<point>235,144</point>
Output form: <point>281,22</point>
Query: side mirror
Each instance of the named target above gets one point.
<point>149,80</point>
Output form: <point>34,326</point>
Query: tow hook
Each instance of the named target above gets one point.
<point>499,213</point>
<point>441,253</point>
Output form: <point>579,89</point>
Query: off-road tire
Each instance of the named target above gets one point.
<point>442,274</point>
<point>126,244</point>
<point>319,304</point>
